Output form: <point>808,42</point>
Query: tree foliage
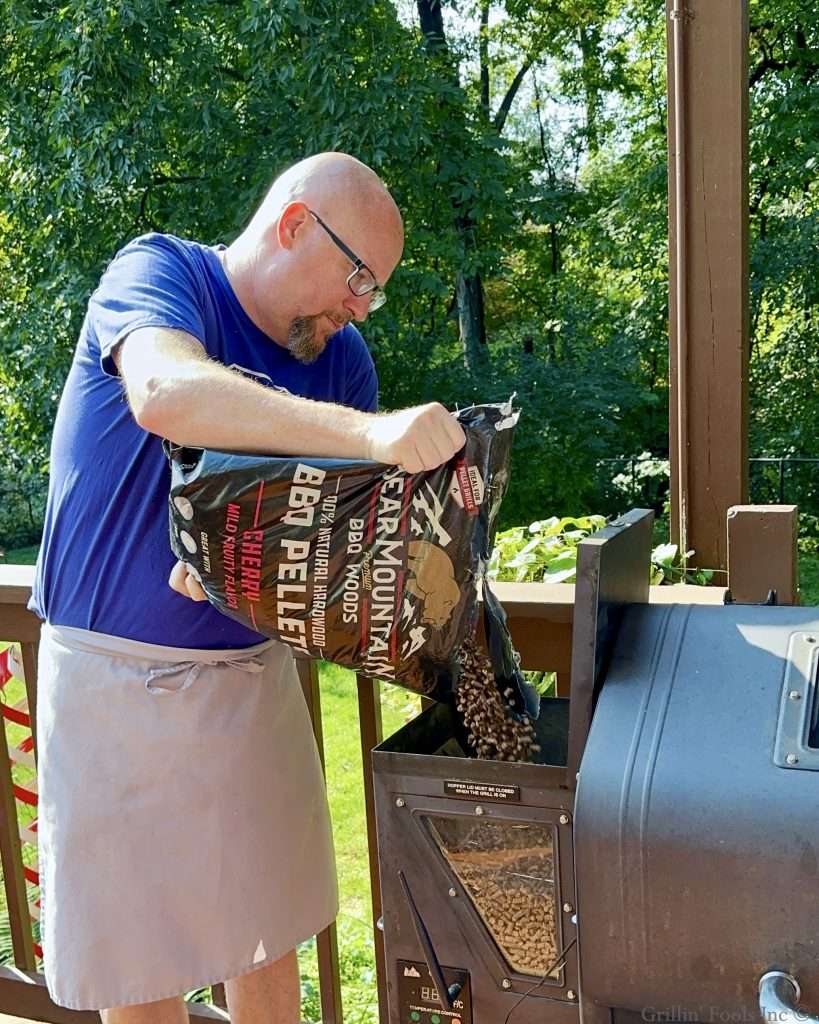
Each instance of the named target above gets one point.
<point>524,142</point>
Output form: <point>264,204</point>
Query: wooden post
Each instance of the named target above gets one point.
<point>218,996</point>
<point>29,653</point>
<point>11,855</point>
<point>708,270</point>
<point>326,941</point>
<point>372,732</point>
<point>762,553</point>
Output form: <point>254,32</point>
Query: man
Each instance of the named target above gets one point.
<point>184,834</point>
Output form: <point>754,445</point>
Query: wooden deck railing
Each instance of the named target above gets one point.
<point>540,618</point>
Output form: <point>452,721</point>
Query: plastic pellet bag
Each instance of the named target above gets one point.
<point>353,561</point>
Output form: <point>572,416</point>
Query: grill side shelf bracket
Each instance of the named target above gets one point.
<point>796,745</point>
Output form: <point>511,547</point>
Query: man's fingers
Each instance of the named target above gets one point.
<point>426,433</point>
<point>176,580</point>
<point>412,463</point>
<point>194,589</point>
<point>442,438</point>
<point>186,584</point>
<point>455,432</point>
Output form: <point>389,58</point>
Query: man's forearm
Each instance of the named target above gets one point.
<point>211,406</point>
<point>176,391</point>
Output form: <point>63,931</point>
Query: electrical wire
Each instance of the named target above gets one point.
<point>560,963</point>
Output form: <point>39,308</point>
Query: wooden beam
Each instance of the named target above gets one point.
<point>762,553</point>
<point>372,733</point>
<point>11,856</point>
<point>327,940</point>
<point>24,994</point>
<point>708,270</point>
<point>546,602</point>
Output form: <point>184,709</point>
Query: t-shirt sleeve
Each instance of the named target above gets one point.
<point>362,381</point>
<point>150,283</point>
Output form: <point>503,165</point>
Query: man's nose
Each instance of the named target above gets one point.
<point>358,305</point>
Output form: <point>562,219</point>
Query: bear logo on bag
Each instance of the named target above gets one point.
<point>433,581</point>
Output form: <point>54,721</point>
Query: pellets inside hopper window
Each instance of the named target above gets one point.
<point>493,731</point>
<point>507,869</point>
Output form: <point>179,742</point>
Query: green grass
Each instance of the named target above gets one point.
<point>809,579</point>
<point>20,556</point>
<point>342,744</point>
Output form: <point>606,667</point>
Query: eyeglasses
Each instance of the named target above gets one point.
<point>362,280</point>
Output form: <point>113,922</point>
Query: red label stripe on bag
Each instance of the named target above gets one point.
<point>465,487</point>
<point>258,504</point>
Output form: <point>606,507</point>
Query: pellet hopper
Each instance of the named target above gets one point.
<point>659,862</point>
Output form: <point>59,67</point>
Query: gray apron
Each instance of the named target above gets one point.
<point>184,836</point>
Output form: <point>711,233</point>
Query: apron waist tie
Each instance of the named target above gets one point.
<point>191,670</point>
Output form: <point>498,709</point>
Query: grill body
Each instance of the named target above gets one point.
<point>669,839</point>
<point>697,854</point>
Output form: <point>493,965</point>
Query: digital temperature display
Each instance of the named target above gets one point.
<point>419,999</point>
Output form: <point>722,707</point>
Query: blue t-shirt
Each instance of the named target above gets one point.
<point>105,556</point>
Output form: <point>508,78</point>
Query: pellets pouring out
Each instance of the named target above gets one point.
<point>493,733</point>
<point>354,561</point>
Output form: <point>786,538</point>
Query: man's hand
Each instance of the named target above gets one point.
<point>416,439</point>
<point>185,583</point>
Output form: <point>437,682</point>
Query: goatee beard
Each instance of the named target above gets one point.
<point>302,341</point>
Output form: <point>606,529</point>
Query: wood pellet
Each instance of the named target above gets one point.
<point>507,870</point>
<point>493,731</point>
<point>508,873</point>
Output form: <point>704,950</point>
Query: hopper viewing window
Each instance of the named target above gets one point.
<point>507,869</point>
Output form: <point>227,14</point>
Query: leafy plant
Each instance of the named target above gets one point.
<point>546,552</point>
<point>543,552</point>
<point>668,567</point>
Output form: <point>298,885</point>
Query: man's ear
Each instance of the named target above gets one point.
<point>292,220</point>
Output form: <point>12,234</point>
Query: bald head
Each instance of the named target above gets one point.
<point>292,267</point>
<point>332,182</point>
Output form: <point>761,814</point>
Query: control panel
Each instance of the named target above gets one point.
<point>418,999</point>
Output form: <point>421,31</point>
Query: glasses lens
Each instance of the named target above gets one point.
<point>362,282</point>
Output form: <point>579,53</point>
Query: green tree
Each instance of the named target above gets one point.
<point>525,144</point>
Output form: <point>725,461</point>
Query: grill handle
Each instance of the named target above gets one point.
<point>779,994</point>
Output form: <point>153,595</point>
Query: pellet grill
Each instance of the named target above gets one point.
<point>660,862</point>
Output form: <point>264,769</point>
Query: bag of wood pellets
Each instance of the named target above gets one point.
<point>353,561</point>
